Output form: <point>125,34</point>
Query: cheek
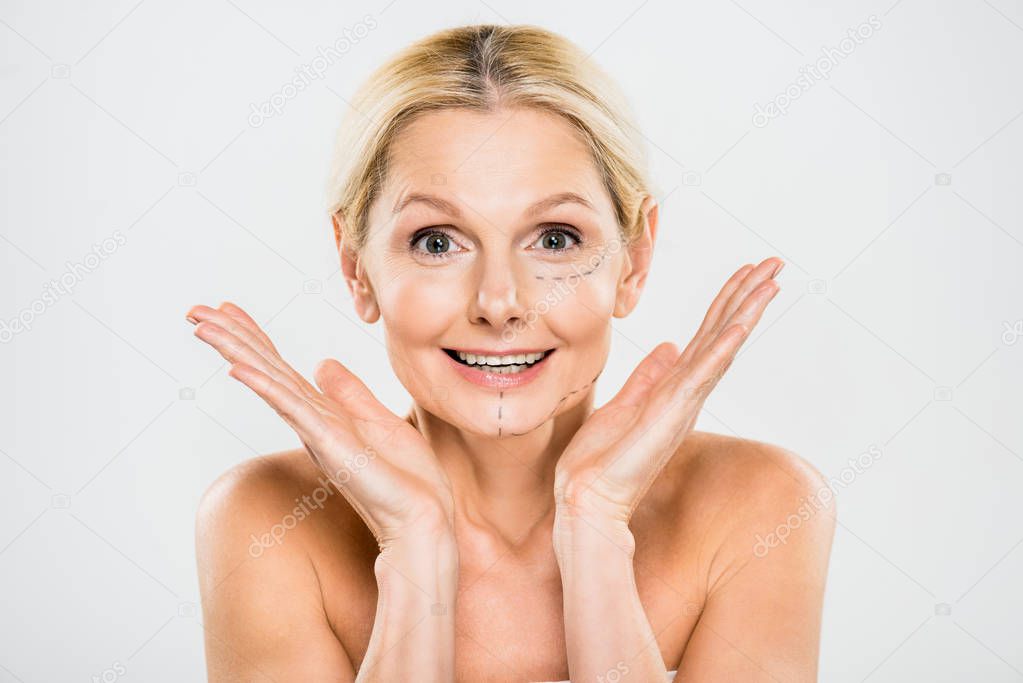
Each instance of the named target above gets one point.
<point>420,304</point>
<point>578,309</point>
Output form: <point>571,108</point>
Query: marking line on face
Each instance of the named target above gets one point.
<point>556,406</point>
<point>603,258</point>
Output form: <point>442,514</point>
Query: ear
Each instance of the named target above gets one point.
<point>638,257</point>
<point>354,271</point>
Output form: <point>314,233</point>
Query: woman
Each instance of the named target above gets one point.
<point>491,208</point>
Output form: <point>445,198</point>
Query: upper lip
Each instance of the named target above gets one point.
<point>491,352</point>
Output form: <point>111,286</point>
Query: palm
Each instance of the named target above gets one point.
<point>621,448</point>
<point>407,473</point>
<point>379,462</point>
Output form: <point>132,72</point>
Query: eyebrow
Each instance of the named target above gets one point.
<point>447,207</point>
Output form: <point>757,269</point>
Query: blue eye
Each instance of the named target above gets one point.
<point>437,244</point>
<point>556,239</point>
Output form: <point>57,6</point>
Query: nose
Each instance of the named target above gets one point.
<point>497,299</point>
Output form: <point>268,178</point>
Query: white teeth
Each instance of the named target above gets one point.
<point>501,361</point>
<point>503,369</point>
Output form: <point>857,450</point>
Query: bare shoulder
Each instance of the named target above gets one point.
<point>709,468</point>
<point>282,507</point>
<point>758,472</point>
<point>260,529</point>
<point>750,527</point>
<point>277,493</point>
<point>252,491</point>
<point>728,491</point>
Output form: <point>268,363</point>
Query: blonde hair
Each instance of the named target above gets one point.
<point>485,67</point>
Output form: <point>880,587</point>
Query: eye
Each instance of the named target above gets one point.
<point>434,243</point>
<point>558,238</point>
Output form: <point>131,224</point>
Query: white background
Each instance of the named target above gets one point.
<point>893,328</point>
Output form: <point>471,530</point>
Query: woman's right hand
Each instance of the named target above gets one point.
<point>380,463</point>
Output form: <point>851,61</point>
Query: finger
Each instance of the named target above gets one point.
<point>716,309</point>
<point>764,271</point>
<point>235,350</point>
<point>246,320</point>
<point>243,333</point>
<point>234,325</point>
<point>305,419</point>
<point>753,307</point>
<point>675,405</point>
<point>668,413</point>
<point>333,449</point>
<point>747,317</point>
<point>340,384</point>
<point>664,423</point>
<point>646,375</point>
<point>712,367</point>
<point>721,300</point>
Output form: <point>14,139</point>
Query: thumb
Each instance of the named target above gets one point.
<point>647,374</point>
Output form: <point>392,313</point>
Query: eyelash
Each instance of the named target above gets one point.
<point>551,227</point>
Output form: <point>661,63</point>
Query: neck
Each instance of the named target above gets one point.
<point>503,487</point>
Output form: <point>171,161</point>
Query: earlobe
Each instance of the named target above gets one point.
<point>366,305</point>
<point>355,276</point>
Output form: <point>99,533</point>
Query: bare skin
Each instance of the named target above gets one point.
<point>304,609</point>
<point>515,534</point>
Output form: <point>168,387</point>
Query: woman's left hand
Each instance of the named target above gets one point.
<point>618,452</point>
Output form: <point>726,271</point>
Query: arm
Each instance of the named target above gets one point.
<point>613,460</point>
<point>414,630</point>
<point>607,633</point>
<point>265,610</point>
<point>264,618</point>
<point>762,617</point>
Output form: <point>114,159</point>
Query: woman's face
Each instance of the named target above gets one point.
<point>494,236</point>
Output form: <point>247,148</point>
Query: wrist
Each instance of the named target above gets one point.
<point>586,496</point>
<point>426,521</point>
<point>585,533</point>
<point>422,544</point>
<point>421,569</point>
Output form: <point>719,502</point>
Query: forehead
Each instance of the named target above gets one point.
<point>503,160</point>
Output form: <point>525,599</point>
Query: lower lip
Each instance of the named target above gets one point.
<point>493,380</point>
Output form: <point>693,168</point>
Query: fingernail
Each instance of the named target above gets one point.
<point>778,269</point>
<point>191,320</point>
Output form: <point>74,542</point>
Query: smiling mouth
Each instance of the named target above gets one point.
<point>499,365</point>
